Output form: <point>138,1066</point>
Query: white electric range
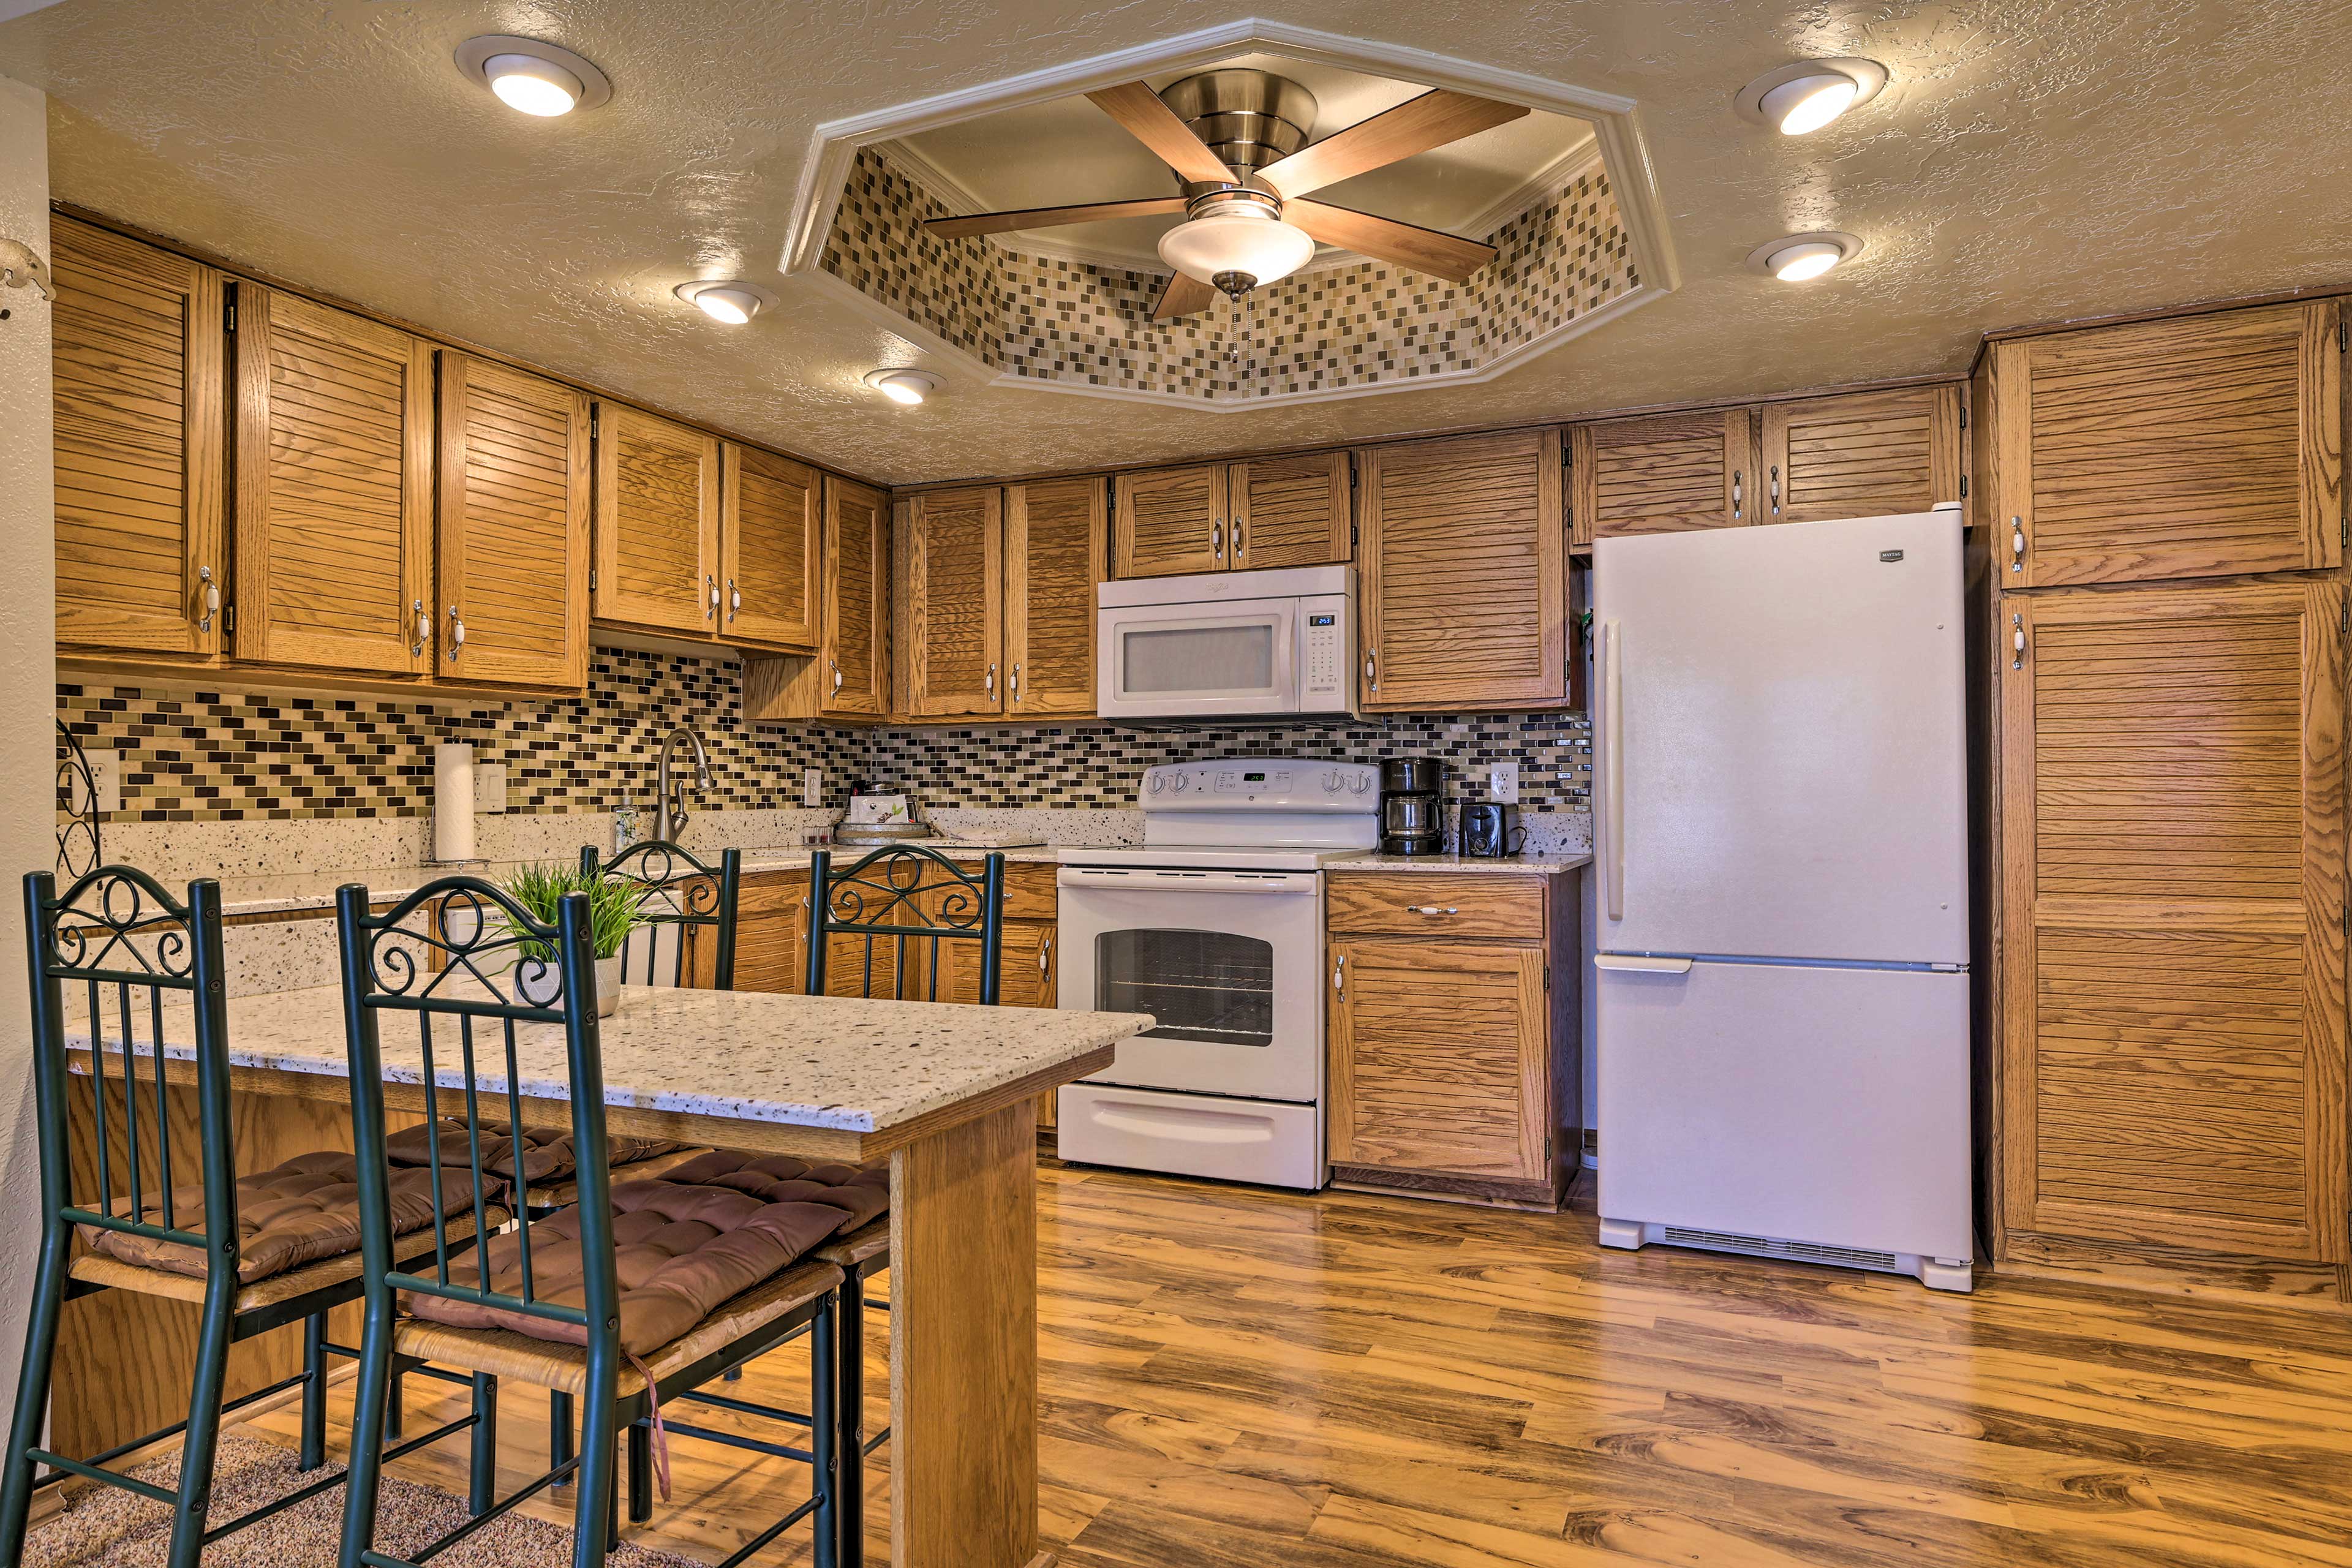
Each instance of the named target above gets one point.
<point>1214,926</point>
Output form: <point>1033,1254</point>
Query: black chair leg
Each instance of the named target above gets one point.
<point>196,1448</point>
<point>392,1413</point>
<point>482,1455</point>
<point>314,1392</point>
<point>595,1514</point>
<point>824,1431</point>
<point>367,1434</point>
<point>849,1449</point>
<point>641,1471</point>
<point>32,1391</point>
<point>559,1432</point>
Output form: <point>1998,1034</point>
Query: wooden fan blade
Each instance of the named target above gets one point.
<point>1050,217</point>
<point>1153,123</point>
<point>1184,296</point>
<point>1433,120</point>
<point>1421,249</point>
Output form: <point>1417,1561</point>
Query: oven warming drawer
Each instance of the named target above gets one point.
<point>1265,1142</point>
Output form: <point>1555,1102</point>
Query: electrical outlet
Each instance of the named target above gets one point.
<point>812,786</point>
<point>1503,782</point>
<point>106,779</point>
<point>490,787</point>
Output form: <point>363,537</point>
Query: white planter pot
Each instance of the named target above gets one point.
<point>542,986</point>
<point>608,986</point>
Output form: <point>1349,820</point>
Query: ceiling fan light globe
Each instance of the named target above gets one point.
<point>1261,248</point>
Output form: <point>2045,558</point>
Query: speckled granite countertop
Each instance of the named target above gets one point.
<point>1520,865</point>
<point>821,1061</point>
<point>316,889</point>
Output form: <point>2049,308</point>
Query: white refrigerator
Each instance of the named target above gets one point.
<point>1780,843</point>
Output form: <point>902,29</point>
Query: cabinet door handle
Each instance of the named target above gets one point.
<point>1339,973</point>
<point>1016,683</point>
<point>209,598</point>
<point>734,598</point>
<point>989,685</point>
<point>1372,668</point>
<point>1737,493</point>
<point>1045,952</point>
<point>712,614</point>
<point>424,629</point>
<point>2017,544</point>
<point>837,673</point>
<point>1434,908</point>
<point>1236,541</point>
<point>1217,539</point>
<point>1776,490</point>
<point>457,634</point>
<point>2017,642</point>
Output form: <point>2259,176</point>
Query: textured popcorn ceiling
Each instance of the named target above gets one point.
<point>2032,159</point>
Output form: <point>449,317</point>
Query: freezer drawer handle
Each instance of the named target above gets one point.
<point>1613,740</point>
<point>1638,965</point>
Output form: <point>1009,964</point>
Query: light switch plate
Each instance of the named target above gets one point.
<point>1503,782</point>
<point>106,779</point>
<point>812,786</point>
<point>490,787</point>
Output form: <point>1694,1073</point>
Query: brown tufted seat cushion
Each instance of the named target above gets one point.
<point>547,1152</point>
<point>864,1191</point>
<point>682,1248</point>
<point>298,1212</point>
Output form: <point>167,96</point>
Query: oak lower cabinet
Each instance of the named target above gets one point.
<point>1665,473</point>
<point>334,506</point>
<point>138,361</point>
<point>771,935</point>
<point>2195,447</point>
<point>657,510</point>
<point>1464,591</point>
<point>1454,1062</point>
<point>2169,1055</point>
<point>512,559</point>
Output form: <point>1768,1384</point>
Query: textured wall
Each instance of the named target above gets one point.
<point>28,652</point>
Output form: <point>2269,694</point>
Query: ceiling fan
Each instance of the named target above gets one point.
<point>1237,140</point>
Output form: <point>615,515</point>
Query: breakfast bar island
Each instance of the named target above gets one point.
<point>946,1092</point>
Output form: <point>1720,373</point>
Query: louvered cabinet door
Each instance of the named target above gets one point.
<point>2203,447</point>
<point>1169,521</point>
<point>1667,473</point>
<point>514,527</point>
<point>1465,594</point>
<point>334,514</point>
<point>852,682</point>
<point>951,602</point>
<point>137,365</point>
<point>1290,511</point>
<point>656,523</point>
<point>771,550</point>
<point>1055,548</point>
<point>1861,454</point>
<point>2172,842</point>
<point>1439,1057</point>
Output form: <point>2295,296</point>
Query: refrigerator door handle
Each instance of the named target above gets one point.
<point>1637,964</point>
<point>1612,741</point>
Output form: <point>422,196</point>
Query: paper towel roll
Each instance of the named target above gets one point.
<point>453,801</point>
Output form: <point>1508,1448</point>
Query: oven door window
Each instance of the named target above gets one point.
<point>1206,986</point>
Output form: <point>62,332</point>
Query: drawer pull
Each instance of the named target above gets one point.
<point>1433,910</point>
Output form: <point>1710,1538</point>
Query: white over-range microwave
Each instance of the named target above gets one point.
<point>1227,645</point>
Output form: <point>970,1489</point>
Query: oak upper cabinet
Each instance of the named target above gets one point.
<point>2197,446</point>
<point>334,506</point>
<point>771,551</point>
<point>1290,511</point>
<point>1860,454</point>
<point>853,672</point>
<point>1465,584</point>
<point>2172,953</point>
<point>513,558</point>
<point>1055,543</point>
<point>1665,473</point>
<point>138,362</point>
<point>950,598</point>
<point>1169,521</point>
<point>658,506</point>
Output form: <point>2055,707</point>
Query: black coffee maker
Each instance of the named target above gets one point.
<point>1413,806</point>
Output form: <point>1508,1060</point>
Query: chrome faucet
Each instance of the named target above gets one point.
<point>669,794</point>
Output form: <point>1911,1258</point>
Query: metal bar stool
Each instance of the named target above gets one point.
<point>912,900</point>
<point>137,958</point>
<point>490,1314</point>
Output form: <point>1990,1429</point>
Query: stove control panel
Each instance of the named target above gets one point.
<point>1262,783</point>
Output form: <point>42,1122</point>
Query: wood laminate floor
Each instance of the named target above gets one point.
<point>1235,1378</point>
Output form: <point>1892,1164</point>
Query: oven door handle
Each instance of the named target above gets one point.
<point>1291,884</point>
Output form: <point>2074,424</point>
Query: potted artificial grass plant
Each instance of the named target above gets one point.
<point>614,910</point>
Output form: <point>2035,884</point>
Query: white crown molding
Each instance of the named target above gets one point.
<point>1624,152</point>
<point>961,201</point>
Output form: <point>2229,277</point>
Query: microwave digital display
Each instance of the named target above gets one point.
<point>1322,620</point>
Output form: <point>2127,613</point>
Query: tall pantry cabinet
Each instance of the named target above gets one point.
<point>2161,507</point>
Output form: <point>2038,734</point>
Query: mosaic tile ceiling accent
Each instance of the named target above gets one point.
<point>1338,331</point>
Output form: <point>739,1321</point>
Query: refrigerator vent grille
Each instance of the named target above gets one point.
<point>1767,1247</point>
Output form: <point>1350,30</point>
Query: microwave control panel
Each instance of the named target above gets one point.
<point>1326,663</point>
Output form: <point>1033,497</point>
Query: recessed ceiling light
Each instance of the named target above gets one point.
<point>536,77</point>
<point>1799,256</point>
<point>907,386</point>
<point>1803,97</point>
<point>728,299</point>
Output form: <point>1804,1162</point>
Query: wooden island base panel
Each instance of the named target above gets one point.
<point>947,1092</point>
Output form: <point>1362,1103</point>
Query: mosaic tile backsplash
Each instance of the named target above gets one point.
<point>1368,324</point>
<point>197,756</point>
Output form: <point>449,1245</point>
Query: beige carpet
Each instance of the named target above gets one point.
<point>106,1528</point>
